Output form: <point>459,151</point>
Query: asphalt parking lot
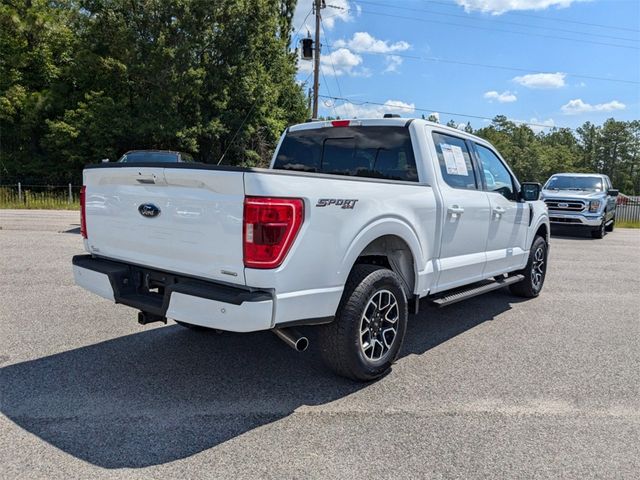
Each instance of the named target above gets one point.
<point>494,387</point>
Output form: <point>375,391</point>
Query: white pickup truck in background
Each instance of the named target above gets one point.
<point>353,224</point>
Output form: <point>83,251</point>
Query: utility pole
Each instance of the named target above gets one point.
<point>316,59</point>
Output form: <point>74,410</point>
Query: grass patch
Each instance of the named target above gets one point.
<point>627,223</point>
<point>44,200</point>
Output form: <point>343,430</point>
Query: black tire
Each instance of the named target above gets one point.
<point>611,226</point>
<point>600,231</point>
<point>343,343</point>
<point>535,272</point>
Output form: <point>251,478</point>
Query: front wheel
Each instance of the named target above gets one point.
<point>600,231</point>
<point>365,338</point>
<point>611,226</point>
<point>535,271</point>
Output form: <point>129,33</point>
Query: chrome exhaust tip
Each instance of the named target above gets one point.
<point>292,338</point>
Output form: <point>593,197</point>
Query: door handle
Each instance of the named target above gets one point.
<point>498,211</point>
<point>455,210</point>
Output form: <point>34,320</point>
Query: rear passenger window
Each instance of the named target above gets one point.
<point>455,161</point>
<point>377,152</point>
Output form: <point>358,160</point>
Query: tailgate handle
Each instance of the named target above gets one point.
<point>146,180</point>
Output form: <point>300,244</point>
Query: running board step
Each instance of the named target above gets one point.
<point>488,286</point>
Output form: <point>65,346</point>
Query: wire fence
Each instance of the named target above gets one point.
<point>51,197</point>
<point>628,209</point>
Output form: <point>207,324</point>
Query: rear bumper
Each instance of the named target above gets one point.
<point>186,299</point>
<point>206,303</point>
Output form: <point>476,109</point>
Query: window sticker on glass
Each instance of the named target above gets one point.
<point>454,160</point>
<point>461,165</point>
<point>449,159</point>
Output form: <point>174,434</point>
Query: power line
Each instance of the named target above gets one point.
<point>477,27</point>
<point>335,75</point>
<point>317,7</point>
<point>301,25</point>
<point>308,76</point>
<point>432,110</point>
<point>530,15</point>
<point>326,84</point>
<point>499,67</point>
<point>467,17</point>
<point>233,139</point>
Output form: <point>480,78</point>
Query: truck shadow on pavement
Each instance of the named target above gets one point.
<point>569,233</point>
<point>169,393</point>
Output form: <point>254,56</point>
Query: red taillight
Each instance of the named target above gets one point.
<point>340,123</point>
<point>83,212</point>
<point>270,226</point>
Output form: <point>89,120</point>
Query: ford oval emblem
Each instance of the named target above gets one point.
<point>563,205</point>
<point>149,210</point>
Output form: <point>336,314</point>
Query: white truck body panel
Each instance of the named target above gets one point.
<point>95,282</point>
<point>248,317</point>
<point>453,237</point>
<point>198,231</point>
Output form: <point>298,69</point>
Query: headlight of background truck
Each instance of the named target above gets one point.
<point>594,205</point>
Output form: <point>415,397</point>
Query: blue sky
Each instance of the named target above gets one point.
<point>400,53</point>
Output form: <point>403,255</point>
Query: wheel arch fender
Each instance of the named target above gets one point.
<point>542,223</point>
<point>387,228</point>
<point>540,219</point>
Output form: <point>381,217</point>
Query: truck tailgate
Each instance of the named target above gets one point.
<point>193,224</point>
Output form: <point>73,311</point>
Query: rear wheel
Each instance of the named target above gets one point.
<point>535,271</point>
<point>365,338</point>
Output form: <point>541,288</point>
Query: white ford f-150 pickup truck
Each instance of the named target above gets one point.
<point>354,222</point>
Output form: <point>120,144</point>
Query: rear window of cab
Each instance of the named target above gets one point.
<point>374,152</point>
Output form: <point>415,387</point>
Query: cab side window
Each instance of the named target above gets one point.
<point>496,176</point>
<point>455,161</point>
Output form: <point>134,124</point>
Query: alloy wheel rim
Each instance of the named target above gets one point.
<point>538,268</point>
<point>379,325</point>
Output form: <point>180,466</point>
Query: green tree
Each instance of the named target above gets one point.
<point>37,45</point>
<point>87,79</point>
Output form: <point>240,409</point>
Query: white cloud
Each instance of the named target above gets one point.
<point>329,20</point>
<point>393,62</point>
<point>542,80</point>
<point>435,115</point>
<point>577,106</point>
<point>351,110</point>
<point>498,7</point>
<point>342,60</point>
<point>363,42</point>
<point>538,127</point>
<point>504,97</point>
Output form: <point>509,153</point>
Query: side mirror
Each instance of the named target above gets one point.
<point>613,192</point>
<point>105,160</point>
<point>530,191</point>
